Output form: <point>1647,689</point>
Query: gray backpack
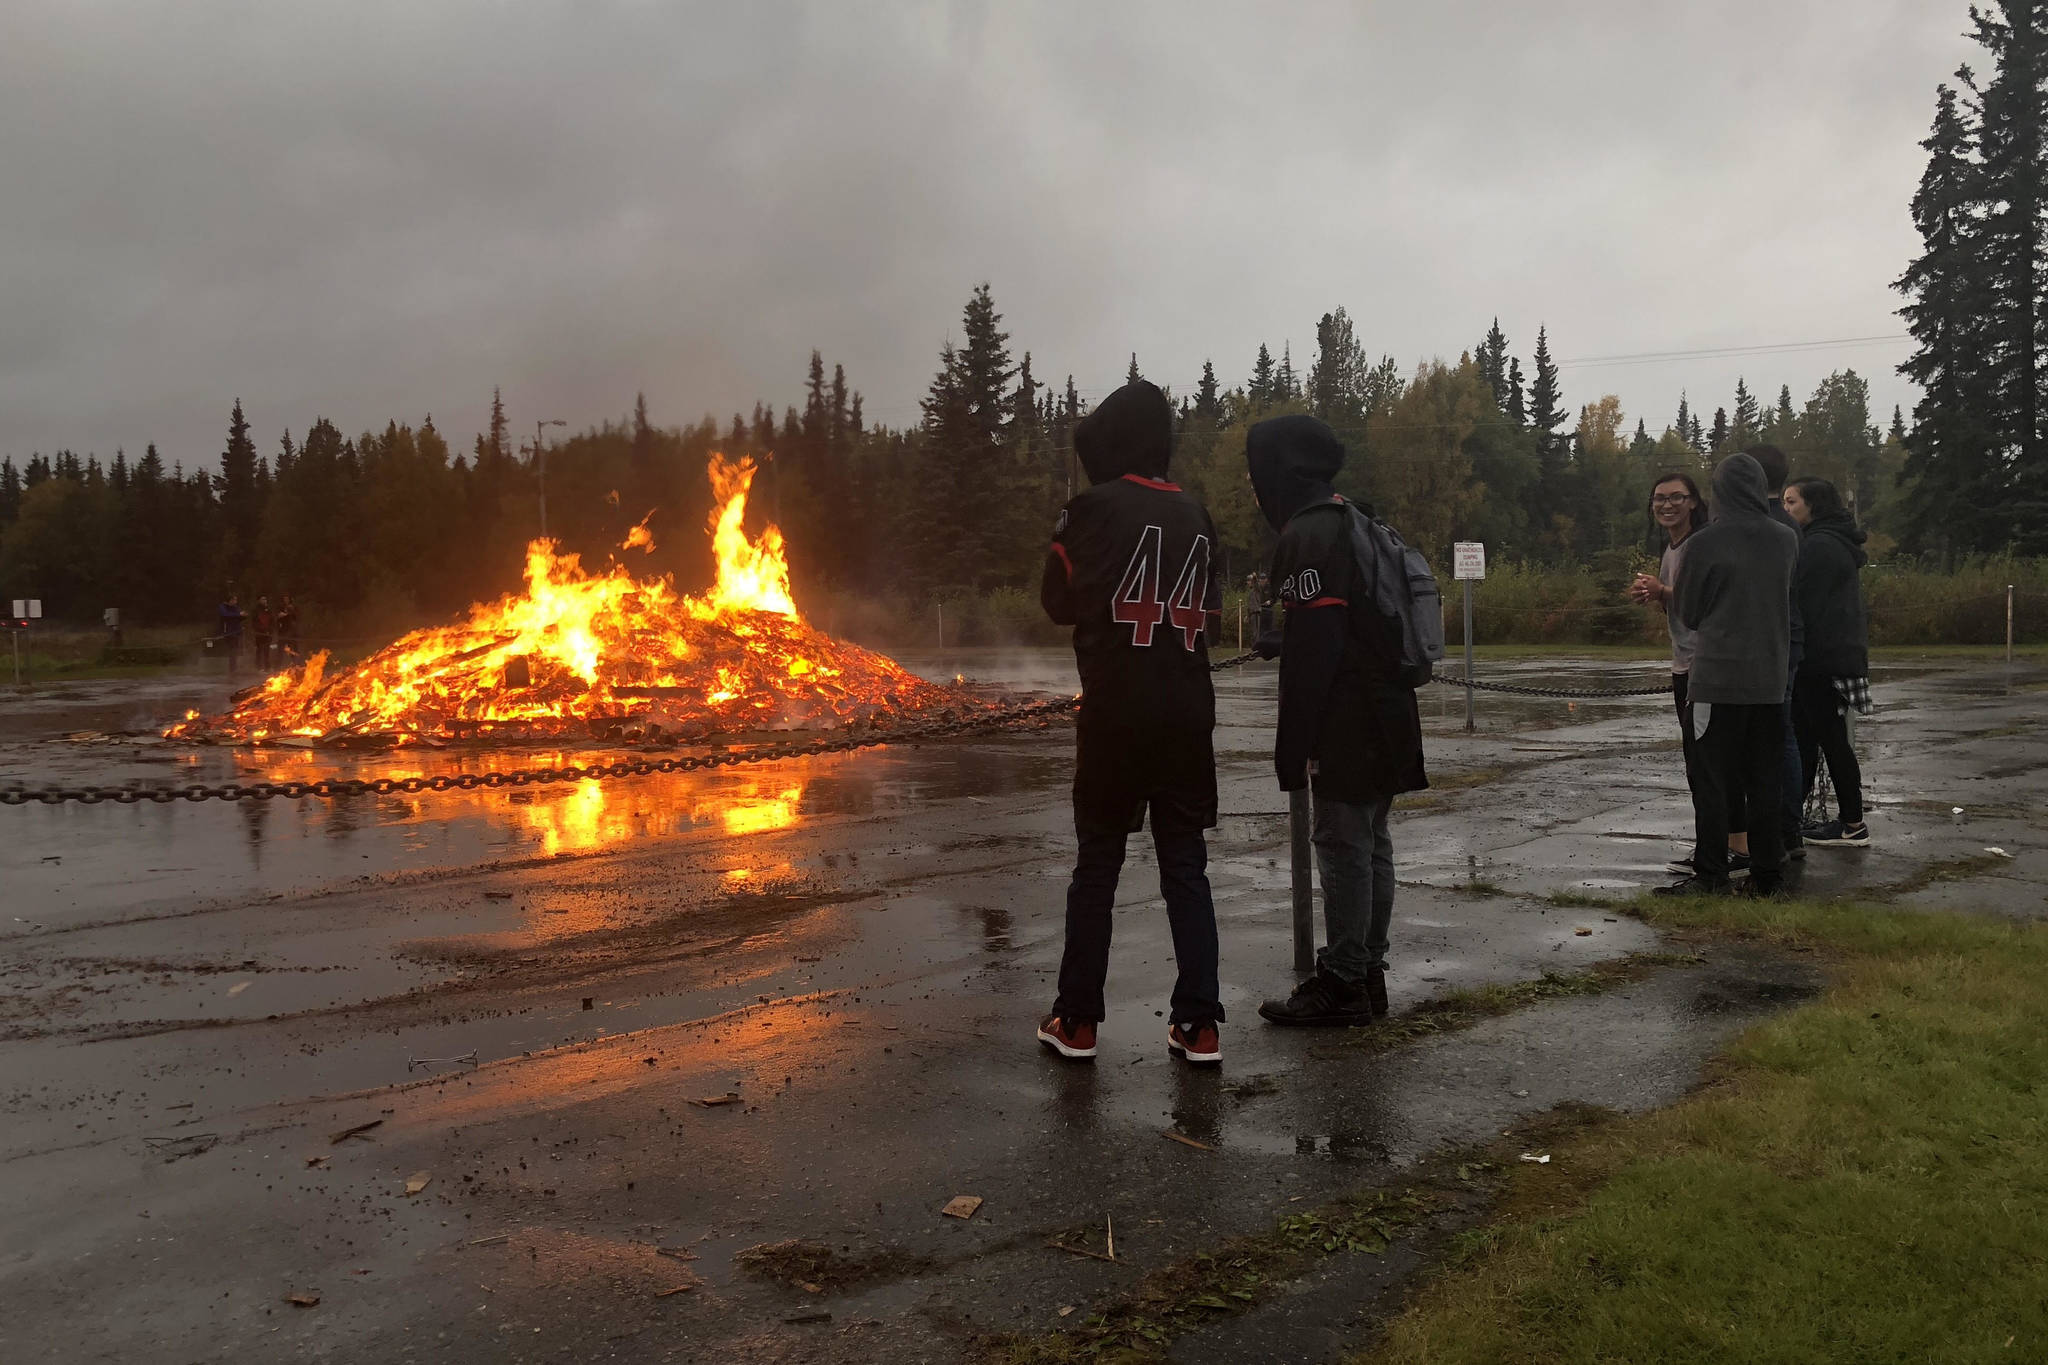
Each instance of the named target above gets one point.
<point>1404,592</point>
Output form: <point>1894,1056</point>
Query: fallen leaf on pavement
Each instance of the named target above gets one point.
<point>316,1161</point>
<point>714,1101</point>
<point>678,1253</point>
<point>345,1134</point>
<point>1065,1311</point>
<point>1543,1160</point>
<point>418,1181</point>
<point>1184,1140</point>
<point>238,988</point>
<point>302,1300</point>
<point>961,1206</point>
<point>1582,931</point>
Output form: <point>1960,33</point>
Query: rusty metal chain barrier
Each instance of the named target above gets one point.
<point>333,787</point>
<point>330,788</point>
<point>1454,680</point>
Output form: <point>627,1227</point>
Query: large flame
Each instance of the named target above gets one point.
<point>603,653</point>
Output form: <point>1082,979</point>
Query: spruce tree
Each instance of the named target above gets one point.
<point>240,499</point>
<point>1553,493</point>
<point>1260,388</point>
<point>10,492</point>
<point>1286,388</point>
<point>1492,358</point>
<point>1206,403</point>
<point>1898,431</point>
<point>1743,428</point>
<point>1131,376</point>
<point>2012,147</point>
<point>1717,437</point>
<point>1518,401</point>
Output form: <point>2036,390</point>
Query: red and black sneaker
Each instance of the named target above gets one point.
<point>1195,1042</point>
<point>1068,1037</point>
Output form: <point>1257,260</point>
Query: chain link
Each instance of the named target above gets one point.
<point>1453,680</point>
<point>330,788</point>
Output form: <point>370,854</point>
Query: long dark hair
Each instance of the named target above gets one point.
<point>1822,497</point>
<point>1699,504</point>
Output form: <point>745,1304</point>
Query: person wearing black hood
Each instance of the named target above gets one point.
<point>1736,593</point>
<point>1348,725</point>
<point>1777,468</point>
<point>1132,569</point>
<point>1834,673</point>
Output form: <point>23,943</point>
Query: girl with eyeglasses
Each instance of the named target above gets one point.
<point>1677,509</point>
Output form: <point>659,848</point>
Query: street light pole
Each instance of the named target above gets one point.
<point>540,469</point>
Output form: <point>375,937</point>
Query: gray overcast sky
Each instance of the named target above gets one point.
<point>364,211</point>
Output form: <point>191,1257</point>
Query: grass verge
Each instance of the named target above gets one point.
<point>1863,1181</point>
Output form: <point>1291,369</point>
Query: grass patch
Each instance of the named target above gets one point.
<point>1864,1180</point>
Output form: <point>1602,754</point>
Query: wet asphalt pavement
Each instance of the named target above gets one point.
<point>198,998</point>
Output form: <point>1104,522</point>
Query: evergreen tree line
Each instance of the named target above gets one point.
<point>391,527</point>
<point>1977,461</point>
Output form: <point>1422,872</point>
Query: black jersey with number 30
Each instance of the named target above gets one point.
<point>1133,568</point>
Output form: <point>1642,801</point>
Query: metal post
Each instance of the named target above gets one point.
<point>1469,692</point>
<point>17,656</point>
<point>2008,623</point>
<point>942,627</point>
<point>1304,883</point>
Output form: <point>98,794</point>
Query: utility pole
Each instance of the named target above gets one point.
<point>540,469</point>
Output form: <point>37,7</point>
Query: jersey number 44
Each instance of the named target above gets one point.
<point>1137,601</point>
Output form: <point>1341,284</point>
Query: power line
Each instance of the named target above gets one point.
<point>1723,352</point>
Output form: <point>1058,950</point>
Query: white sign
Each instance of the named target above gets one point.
<point>20,608</point>
<point>1469,560</point>
<point>35,608</point>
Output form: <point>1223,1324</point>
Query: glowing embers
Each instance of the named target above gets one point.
<point>580,653</point>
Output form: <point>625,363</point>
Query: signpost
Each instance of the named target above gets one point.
<point>1468,566</point>
<point>26,609</point>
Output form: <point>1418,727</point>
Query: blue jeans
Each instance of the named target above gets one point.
<point>1356,860</point>
<point>1190,913</point>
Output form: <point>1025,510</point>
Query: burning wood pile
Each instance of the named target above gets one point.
<point>579,655</point>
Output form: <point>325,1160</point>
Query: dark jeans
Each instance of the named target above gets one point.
<point>1356,860</point>
<point>1738,817</point>
<point>1791,791</point>
<point>1822,724</point>
<point>1183,880</point>
<point>1739,750</point>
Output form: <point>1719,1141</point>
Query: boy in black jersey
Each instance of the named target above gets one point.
<point>1132,570</point>
<point>1348,725</point>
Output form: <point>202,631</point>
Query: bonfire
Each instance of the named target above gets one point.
<point>600,655</point>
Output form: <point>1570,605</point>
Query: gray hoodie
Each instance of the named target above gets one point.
<point>1736,591</point>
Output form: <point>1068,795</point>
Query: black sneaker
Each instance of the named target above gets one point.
<point>1376,991</point>
<point>1320,1002</point>
<point>1835,834</point>
<point>1682,866</point>
<point>1694,886</point>
<point>1737,862</point>
<point>1764,888</point>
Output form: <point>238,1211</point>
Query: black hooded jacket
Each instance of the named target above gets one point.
<point>1736,591</point>
<point>1829,597</point>
<point>1133,570</point>
<point>1342,708</point>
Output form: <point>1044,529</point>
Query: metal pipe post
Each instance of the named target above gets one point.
<point>1469,692</point>
<point>2008,623</point>
<point>1304,883</point>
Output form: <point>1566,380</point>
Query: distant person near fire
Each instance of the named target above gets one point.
<point>1132,569</point>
